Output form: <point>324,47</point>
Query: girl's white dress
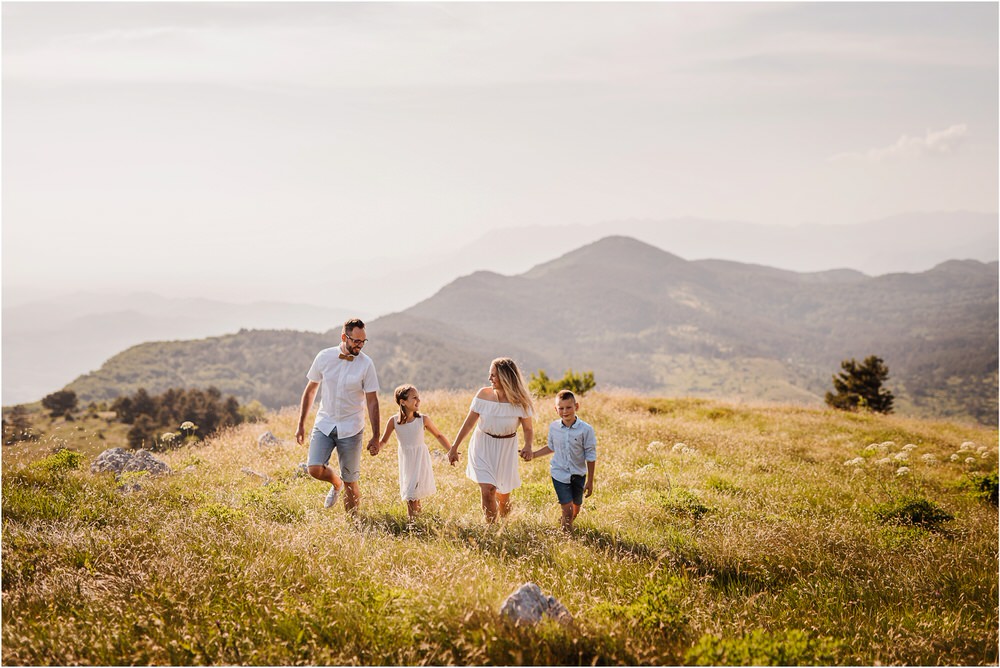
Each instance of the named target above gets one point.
<point>494,460</point>
<point>416,477</point>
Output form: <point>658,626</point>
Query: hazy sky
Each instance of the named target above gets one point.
<point>251,150</point>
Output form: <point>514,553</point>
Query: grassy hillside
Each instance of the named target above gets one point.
<point>718,533</point>
<point>642,319</point>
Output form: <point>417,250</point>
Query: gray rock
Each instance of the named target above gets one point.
<point>267,439</point>
<point>113,459</point>
<point>528,604</point>
<point>120,460</point>
<point>263,476</point>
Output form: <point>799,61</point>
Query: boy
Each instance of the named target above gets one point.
<point>573,446</point>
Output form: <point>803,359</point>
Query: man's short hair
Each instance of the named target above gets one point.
<point>353,324</point>
<point>562,395</point>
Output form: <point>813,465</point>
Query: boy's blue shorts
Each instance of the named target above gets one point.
<point>571,492</point>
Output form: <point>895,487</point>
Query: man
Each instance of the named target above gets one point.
<point>349,384</point>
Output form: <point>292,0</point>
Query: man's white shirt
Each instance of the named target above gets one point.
<point>342,386</point>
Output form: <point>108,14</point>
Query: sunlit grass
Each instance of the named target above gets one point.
<point>752,542</point>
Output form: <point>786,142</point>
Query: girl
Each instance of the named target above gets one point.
<point>496,413</point>
<point>416,478</point>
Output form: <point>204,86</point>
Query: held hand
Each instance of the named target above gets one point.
<point>453,455</point>
<point>373,446</point>
<point>526,453</point>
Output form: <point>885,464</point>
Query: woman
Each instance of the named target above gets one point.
<point>495,413</point>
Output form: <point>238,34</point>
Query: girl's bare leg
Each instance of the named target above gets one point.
<point>489,493</point>
<point>503,504</point>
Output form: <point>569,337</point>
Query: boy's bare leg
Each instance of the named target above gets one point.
<point>567,517</point>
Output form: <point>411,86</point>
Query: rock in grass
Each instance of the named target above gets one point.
<point>120,460</point>
<point>267,439</point>
<point>528,604</point>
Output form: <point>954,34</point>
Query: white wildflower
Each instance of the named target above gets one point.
<point>678,447</point>
<point>167,436</point>
<point>188,426</point>
<point>886,445</point>
<point>985,455</point>
<point>929,458</point>
<point>884,460</point>
<point>654,446</point>
<point>901,456</point>
<point>857,461</point>
<point>871,447</point>
<point>970,460</point>
<point>644,469</point>
<point>903,470</point>
<point>981,449</point>
<point>954,457</point>
<point>909,447</point>
<point>968,445</point>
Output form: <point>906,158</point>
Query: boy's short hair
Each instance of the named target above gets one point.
<point>353,324</point>
<point>562,395</point>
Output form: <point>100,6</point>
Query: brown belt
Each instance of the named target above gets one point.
<point>501,437</point>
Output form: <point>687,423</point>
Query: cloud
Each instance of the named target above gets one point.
<point>935,142</point>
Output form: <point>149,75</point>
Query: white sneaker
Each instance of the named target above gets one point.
<point>331,496</point>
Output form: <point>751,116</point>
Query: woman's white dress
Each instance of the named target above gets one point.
<point>416,477</point>
<point>494,460</point>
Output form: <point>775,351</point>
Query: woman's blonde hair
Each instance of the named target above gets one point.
<point>401,394</point>
<point>512,383</point>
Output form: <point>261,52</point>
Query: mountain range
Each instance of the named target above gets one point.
<point>909,242</point>
<point>643,319</point>
<point>48,342</point>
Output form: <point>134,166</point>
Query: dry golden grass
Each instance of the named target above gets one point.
<point>753,542</point>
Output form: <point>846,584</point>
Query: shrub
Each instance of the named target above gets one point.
<point>913,511</point>
<point>787,648</point>
<point>984,487</point>
<point>658,606</point>
<point>60,462</point>
<point>578,384</point>
<point>683,502</point>
<point>60,403</point>
<point>17,426</point>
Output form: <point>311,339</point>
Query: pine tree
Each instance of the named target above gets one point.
<point>859,386</point>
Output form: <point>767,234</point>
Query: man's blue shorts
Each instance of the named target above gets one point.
<point>321,446</point>
<point>571,491</point>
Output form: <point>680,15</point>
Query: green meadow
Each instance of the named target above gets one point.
<point>718,533</point>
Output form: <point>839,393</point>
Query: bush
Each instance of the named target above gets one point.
<point>984,487</point>
<point>786,648</point>
<point>60,403</point>
<point>17,426</point>
<point>658,607</point>
<point>60,462</point>
<point>578,384</point>
<point>913,511</point>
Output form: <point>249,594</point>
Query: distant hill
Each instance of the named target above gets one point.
<point>908,242</point>
<point>48,343</point>
<point>644,319</point>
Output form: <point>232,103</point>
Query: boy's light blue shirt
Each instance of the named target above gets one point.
<point>572,447</point>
